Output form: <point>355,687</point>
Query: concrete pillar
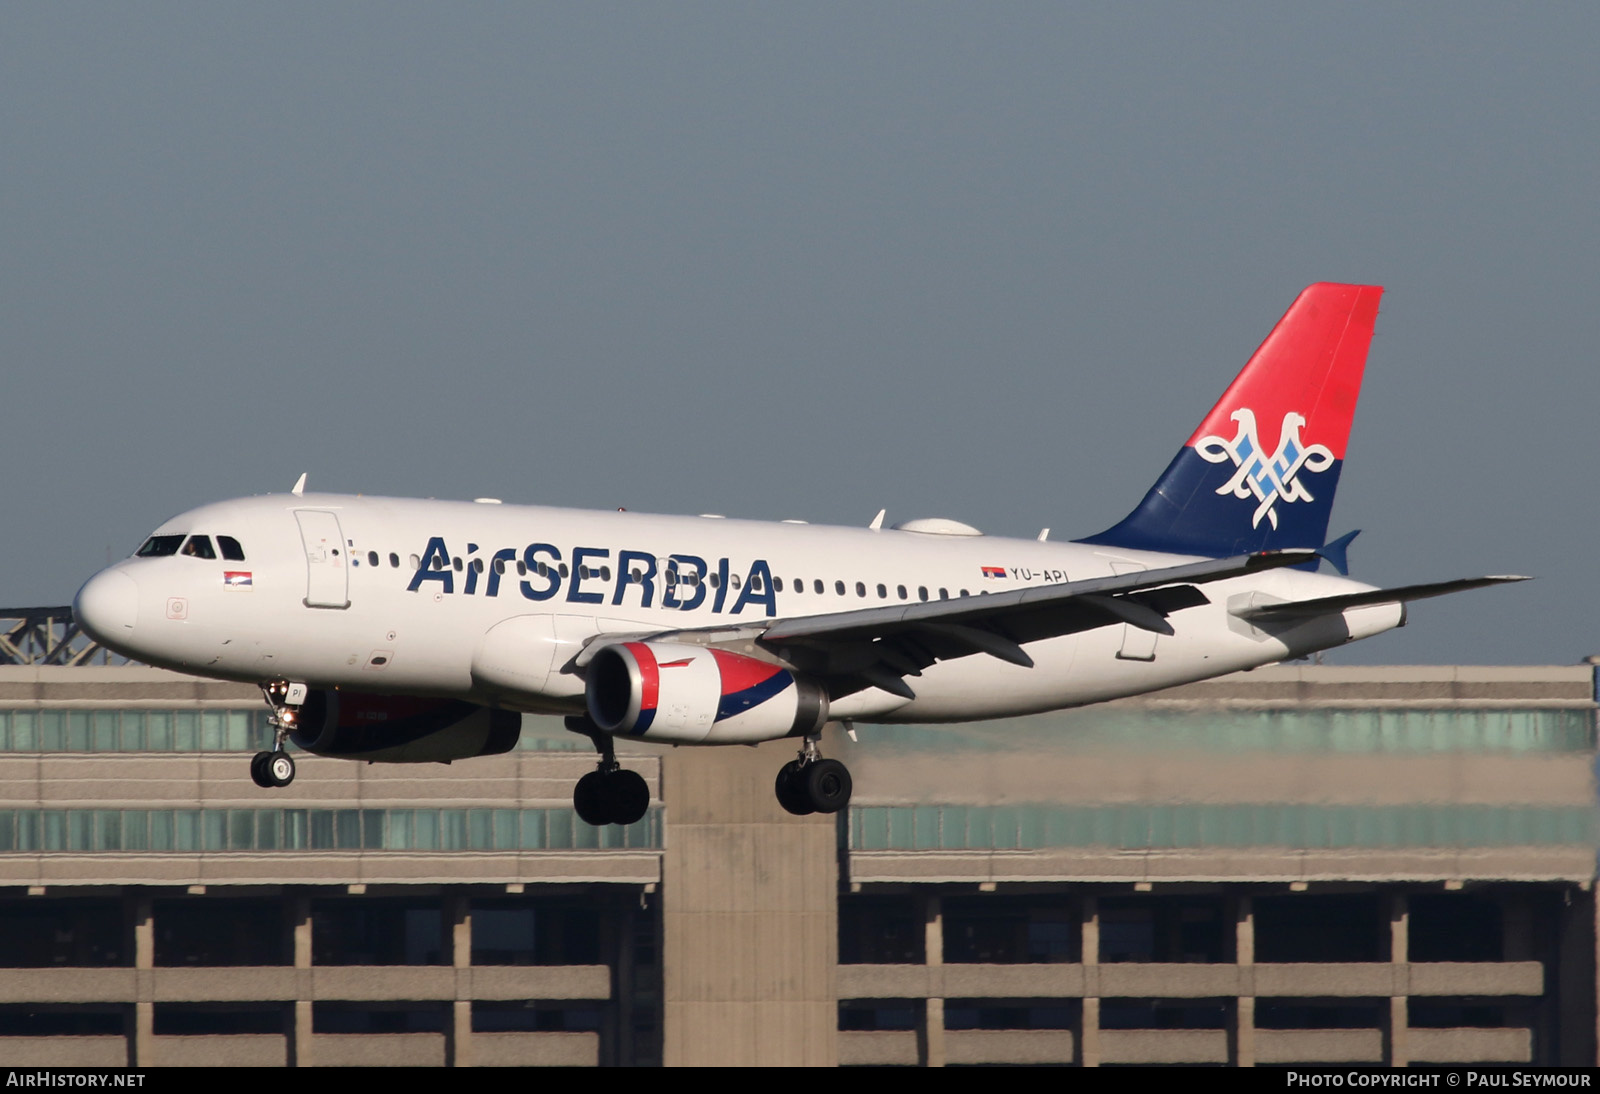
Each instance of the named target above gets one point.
<point>749,913</point>
<point>932,1046</point>
<point>1244,1014</point>
<point>1089,1026</point>
<point>458,921</point>
<point>141,1051</point>
<point>300,1029</point>
<point>1519,941</point>
<point>1577,986</point>
<point>616,950</point>
<point>1399,956</point>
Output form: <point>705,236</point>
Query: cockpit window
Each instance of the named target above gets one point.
<point>230,548</point>
<point>199,547</point>
<point>159,547</point>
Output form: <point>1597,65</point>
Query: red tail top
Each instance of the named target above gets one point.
<point>1310,364</point>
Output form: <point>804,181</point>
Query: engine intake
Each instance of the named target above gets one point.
<point>666,691</point>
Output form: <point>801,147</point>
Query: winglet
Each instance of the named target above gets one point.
<point>877,521</point>
<point>1337,552</point>
<point>299,485</point>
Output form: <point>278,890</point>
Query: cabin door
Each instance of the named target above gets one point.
<point>327,559</point>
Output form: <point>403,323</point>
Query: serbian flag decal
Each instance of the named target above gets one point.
<point>236,579</point>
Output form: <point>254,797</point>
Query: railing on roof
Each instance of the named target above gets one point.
<point>49,636</point>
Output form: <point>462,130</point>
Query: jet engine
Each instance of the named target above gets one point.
<point>401,728</point>
<point>664,691</point>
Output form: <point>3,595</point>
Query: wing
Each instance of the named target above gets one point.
<point>879,647</point>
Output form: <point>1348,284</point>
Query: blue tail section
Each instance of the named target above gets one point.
<point>1261,470</point>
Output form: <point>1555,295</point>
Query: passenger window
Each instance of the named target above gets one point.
<point>838,588</point>
<point>522,569</point>
<point>477,564</point>
<point>883,593</point>
<point>901,589</point>
<point>716,581</point>
<point>199,547</point>
<point>394,560</point>
<point>816,586</point>
<point>499,565</point>
<point>438,562</point>
<point>563,571</point>
<point>605,573</point>
<point>159,547</point>
<point>964,592</point>
<point>944,594</point>
<point>230,548</point>
<point>733,581</point>
<point>861,589</point>
<point>416,563</point>
<point>456,562</point>
<point>372,556</point>
<point>922,592</point>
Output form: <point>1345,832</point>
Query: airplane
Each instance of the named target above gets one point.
<point>395,630</point>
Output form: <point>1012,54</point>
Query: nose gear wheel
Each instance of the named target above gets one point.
<point>274,768</point>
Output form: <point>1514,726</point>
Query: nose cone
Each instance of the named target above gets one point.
<point>107,607</point>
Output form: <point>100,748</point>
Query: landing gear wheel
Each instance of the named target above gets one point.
<point>258,769</point>
<point>791,793</point>
<point>278,769</point>
<point>827,785</point>
<point>589,800</point>
<point>627,796</point>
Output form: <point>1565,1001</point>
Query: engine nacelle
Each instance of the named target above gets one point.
<point>401,728</point>
<point>666,691</point>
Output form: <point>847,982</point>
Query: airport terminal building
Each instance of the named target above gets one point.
<point>1301,864</point>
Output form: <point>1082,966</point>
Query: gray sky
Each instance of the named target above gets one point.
<point>990,262</point>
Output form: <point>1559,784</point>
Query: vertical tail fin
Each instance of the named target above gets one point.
<point>1260,471</point>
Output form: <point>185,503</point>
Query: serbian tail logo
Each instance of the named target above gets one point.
<point>1260,471</point>
<point>1269,479</point>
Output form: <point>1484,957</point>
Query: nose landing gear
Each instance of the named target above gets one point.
<point>272,769</point>
<point>276,767</point>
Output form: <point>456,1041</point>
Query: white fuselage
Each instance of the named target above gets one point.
<point>324,614</point>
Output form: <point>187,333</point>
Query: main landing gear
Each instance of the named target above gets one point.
<point>811,784</point>
<point>610,794</point>
<point>276,768</point>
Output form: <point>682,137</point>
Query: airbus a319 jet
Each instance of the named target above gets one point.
<point>392,630</point>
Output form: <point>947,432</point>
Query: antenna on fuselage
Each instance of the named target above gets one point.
<point>1044,534</point>
<point>299,485</point>
<point>877,521</point>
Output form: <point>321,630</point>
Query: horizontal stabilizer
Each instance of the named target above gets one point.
<point>1404,593</point>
